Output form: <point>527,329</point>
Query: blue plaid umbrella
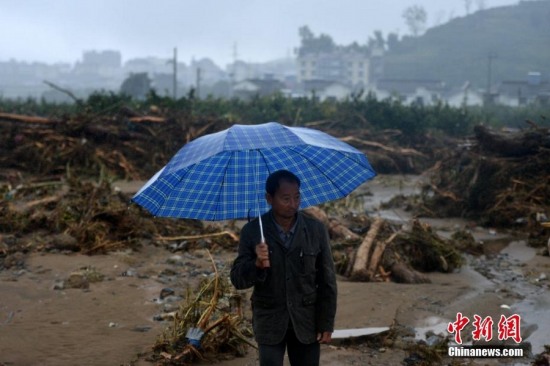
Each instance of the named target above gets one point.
<point>222,175</point>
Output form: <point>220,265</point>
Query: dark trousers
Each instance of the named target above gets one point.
<point>299,354</point>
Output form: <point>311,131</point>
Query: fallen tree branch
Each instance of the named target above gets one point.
<point>399,151</point>
<point>195,237</point>
<point>402,273</point>
<point>359,271</point>
<point>41,201</point>
<point>64,91</point>
<point>144,119</point>
<point>26,119</point>
<point>377,255</point>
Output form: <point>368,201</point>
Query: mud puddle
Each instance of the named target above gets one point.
<point>501,276</point>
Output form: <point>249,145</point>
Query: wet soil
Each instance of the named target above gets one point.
<point>113,320</point>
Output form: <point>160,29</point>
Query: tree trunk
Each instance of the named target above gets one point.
<point>359,271</point>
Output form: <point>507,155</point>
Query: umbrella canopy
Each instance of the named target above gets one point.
<point>222,175</point>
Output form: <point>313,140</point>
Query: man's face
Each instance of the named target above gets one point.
<point>286,200</point>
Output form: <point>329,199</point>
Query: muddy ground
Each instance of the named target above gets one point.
<point>114,320</point>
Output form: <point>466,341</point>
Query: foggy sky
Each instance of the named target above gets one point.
<point>262,30</point>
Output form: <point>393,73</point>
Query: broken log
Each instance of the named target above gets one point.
<point>25,119</point>
<point>338,230</point>
<point>359,270</point>
<point>401,273</point>
<point>27,206</point>
<point>231,234</point>
<point>399,151</point>
<point>376,256</point>
<point>318,214</point>
<point>147,119</point>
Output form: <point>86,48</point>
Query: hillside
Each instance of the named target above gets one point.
<point>517,38</point>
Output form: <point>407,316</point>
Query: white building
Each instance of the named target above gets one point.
<point>350,68</point>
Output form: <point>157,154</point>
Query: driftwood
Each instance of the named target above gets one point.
<point>341,231</point>
<point>317,213</point>
<point>12,117</point>
<point>359,270</point>
<point>402,256</point>
<point>231,234</point>
<point>377,252</point>
<point>402,273</point>
<point>25,119</point>
<point>400,151</point>
<point>149,119</point>
<point>336,229</point>
<point>319,123</point>
<point>27,206</point>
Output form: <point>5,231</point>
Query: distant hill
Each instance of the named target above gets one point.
<point>517,38</point>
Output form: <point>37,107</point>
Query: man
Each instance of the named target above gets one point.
<point>294,297</point>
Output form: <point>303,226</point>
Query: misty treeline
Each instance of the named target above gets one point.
<point>472,49</point>
<point>414,16</point>
<point>356,112</point>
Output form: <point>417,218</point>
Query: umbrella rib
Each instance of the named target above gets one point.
<point>219,200</point>
<point>312,162</point>
<point>268,171</point>
<point>265,161</point>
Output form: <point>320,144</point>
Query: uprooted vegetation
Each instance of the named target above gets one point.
<point>57,195</point>
<point>209,322</point>
<point>137,147</point>
<point>57,172</point>
<point>498,180</point>
<point>388,251</point>
<point>88,217</point>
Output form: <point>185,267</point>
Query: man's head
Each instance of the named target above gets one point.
<point>283,193</point>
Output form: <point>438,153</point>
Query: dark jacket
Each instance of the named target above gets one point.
<point>300,285</point>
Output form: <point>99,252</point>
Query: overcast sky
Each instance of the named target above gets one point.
<point>60,30</point>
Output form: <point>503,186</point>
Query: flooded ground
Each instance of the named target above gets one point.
<point>111,321</point>
<point>509,265</point>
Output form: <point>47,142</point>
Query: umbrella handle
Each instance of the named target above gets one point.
<point>265,263</point>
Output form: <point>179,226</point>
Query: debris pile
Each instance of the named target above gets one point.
<point>89,217</point>
<point>208,324</point>
<point>89,145</point>
<point>56,195</point>
<point>498,180</point>
<point>130,146</point>
<point>378,250</point>
<point>390,151</point>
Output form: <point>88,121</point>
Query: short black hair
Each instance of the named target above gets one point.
<point>273,182</point>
